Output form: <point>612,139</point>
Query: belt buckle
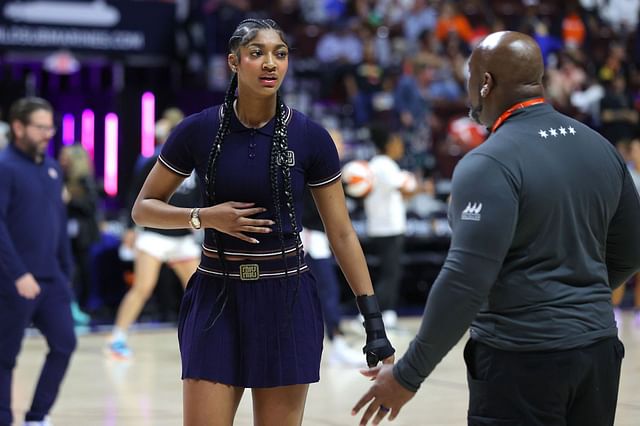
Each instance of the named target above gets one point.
<point>249,272</point>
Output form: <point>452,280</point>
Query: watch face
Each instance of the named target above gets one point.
<point>195,220</point>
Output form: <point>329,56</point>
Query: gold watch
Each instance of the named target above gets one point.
<point>194,218</point>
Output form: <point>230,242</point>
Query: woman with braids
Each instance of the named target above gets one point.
<point>250,316</point>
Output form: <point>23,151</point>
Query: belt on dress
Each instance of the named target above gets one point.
<point>250,269</point>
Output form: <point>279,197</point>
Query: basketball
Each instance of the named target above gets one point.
<point>466,134</point>
<point>357,178</point>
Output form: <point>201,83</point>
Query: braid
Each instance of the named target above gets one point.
<point>275,159</point>
<point>223,130</point>
<point>280,144</point>
<point>210,177</point>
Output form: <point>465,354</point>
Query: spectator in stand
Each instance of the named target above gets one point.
<point>619,117</point>
<point>429,49</point>
<point>338,51</point>
<point>615,63</point>
<point>364,82</point>
<point>413,102</point>
<point>451,20</point>
<point>422,17</point>
<point>549,43</point>
<point>573,29</point>
<point>564,80</point>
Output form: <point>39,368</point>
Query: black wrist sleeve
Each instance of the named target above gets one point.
<point>378,346</point>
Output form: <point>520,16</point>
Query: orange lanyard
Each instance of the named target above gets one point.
<point>505,115</point>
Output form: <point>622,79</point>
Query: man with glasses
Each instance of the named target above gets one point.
<point>35,260</point>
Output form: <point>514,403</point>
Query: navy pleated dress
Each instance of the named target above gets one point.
<point>256,322</point>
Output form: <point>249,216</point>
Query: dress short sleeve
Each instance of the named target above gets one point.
<point>177,152</point>
<point>324,167</point>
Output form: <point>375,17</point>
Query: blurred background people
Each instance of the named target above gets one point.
<point>81,198</point>
<point>386,217</point>
<point>178,248</point>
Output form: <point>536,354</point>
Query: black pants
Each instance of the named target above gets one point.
<point>577,387</point>
<point>389,275</point>
<point>51,314</point>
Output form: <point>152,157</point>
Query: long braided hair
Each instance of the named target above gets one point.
<point>278,165</point>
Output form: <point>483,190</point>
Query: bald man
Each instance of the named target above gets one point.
<point>544,219</point>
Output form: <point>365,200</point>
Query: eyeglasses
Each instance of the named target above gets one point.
<point>44,129</point>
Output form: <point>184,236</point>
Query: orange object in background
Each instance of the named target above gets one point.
<point>573,30</point>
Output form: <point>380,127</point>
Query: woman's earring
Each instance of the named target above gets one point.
<point>484,91</point>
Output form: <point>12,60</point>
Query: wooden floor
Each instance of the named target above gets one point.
<point>147,390</point>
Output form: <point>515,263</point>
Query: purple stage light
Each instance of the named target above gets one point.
<point>111,154</point>
<point>68,129</point>
<point>148,124</point>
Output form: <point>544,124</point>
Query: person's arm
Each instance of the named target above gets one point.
<point>11,265</point>
<point>343,239</point>
<point>176,163</point>
<point>346,247</point>
<point>623,238</point>
<point>152,209</point>
<point>483,214</point>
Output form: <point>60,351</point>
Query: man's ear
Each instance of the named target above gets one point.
<point>18,129</point>
<point>487,85</point>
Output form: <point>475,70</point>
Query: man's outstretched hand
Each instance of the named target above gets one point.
<point>386,396</point>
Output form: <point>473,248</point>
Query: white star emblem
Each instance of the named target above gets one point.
<point>543,134</point>
<point>572,130</point>
<point>563,131</point>
<point>553,132</point>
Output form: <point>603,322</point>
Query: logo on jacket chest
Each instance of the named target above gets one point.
<point>289,158</point>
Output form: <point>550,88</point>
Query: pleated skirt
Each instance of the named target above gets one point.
<point>252,334</point>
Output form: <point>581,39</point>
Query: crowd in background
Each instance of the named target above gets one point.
<point>404,61</point>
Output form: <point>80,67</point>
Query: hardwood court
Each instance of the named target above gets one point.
<point>147,391</point>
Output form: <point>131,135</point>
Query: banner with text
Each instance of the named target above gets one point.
<point>113,26</point>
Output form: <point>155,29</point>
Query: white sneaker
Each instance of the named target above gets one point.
<point>341,354</point>
<point>390,319</point>
<point>44,422</point>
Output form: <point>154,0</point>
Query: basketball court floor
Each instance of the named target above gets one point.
<point>146,391</point>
